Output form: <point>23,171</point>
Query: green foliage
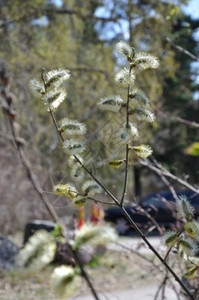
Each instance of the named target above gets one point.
<point>177,100</point>
<point>193,149</point>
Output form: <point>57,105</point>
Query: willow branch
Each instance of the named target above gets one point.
<point>181,49</point>
<point>160,170</point>
<point>127,147</point>
<point>131,222</point>
<point>126,215</point>
<point>170,270</point>
<point>129,219</point>
<point>162,286</point>
<point>187,122</point>
<point>170,187</point>
<point>31,175</point>
<point>83,166</point>
<point>150,261</point>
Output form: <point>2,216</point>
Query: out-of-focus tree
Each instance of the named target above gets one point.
<point>172,137</point>
<point>78,35</point>
<point>35,36</point>
<point>150,26</point>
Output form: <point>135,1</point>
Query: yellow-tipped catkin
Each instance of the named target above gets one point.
<point>124,78</point>
<point>123,49</point>
<point>63,281</point>
<point>116,163</point>
<point>67,190</point>
<point>184,208</point>
<point>125,135</point>
<point>192,229</point>
<point>54,98</point>
<point>94,234</point>
<point>77,172</point>
<point>57,77</point>
<point>143,114</point>
<point>111,103</point>
<point>72,127</point>
<point>138,97</point>
<point>80,201</point>
<point>143,151</point>
<point>170,238</point>
<point>191,273</point>
<point>187,246</point>
<point>38,252</point>
<point>37,86</point>
<point>73,147</point>
<point>91,187</point>
<point>60,189</point>
<point>143,60</point>
<point>71,192</point>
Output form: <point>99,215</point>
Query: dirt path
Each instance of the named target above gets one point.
<point>143,293</point>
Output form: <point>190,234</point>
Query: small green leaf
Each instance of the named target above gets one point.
<point>57,231</point>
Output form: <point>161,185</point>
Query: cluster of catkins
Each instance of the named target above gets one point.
<point>136,108</point>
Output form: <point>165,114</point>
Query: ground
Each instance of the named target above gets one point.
<point>118,270</point>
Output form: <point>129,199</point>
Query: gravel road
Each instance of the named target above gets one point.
<point>142,293</point>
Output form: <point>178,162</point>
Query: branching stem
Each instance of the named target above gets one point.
<point>136,228</point>
<point>127,146</point>
<point>82,165</point>
<point>126,215</point>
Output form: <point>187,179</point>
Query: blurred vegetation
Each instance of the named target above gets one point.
<point>79,36</point>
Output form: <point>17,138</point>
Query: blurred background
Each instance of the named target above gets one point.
<point>80,36</point>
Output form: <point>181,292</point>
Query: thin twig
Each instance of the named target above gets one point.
<point>82,165</point>
<point>187,122</point>
<point>150,261</point>
<point>160,170</point>
<point>158,290</point>
<point>101,201</point>
<point>181,49</point>
<point>133,224</point>
<point>145,212</point>
<point>127,146</point>
<point>168,184</point>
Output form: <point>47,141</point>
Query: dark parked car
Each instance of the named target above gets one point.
<point>155,209</point>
